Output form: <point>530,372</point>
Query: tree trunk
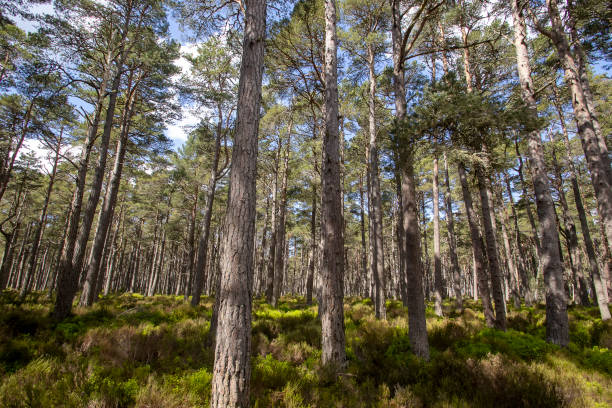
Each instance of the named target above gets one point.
<point>313,246</point>
<point>362,230</point>
<point>452,241</point>
<point>232,366</point>
<point>274,237</point>
<point>67,275</point>
<point>557,325</point>
<point>279,266</point>
<point>478,249</point>
<point>108,209</point>
<point>417,326</point>
<point>522,269</point>
<point>512,268</point>
<point>200,270</point>
<point>374,196</point>
<point>595,156</point>
<point>438,283</point>
<point>332,262</point>
<point>584,225</point>
<point>581,60</point>
<point>492,253</point>
<point>534,228</point>
<point>40,228</point>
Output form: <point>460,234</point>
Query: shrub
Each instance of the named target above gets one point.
<point>518,346</point>
<point>42,383</point>
<point>270,373</point>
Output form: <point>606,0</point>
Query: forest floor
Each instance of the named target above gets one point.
<point>131,351</point>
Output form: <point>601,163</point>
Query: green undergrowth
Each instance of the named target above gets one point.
<point>132,351</point>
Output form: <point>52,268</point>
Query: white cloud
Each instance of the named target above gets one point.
<point>178,132</point>
<point>45,154</point>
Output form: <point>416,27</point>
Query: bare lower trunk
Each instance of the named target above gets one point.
<point>362,230</point>
<point>332,239</point>
<point>580,283</point>
<point>534,228</point>
<point>232,366</point>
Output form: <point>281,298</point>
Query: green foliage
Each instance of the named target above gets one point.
<point>515,345</point>
<point>133,351</point>
<point>42,383</point>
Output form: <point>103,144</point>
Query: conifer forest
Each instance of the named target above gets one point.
<point>305,203</point>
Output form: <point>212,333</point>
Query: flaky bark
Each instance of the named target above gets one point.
<point>232,366</point>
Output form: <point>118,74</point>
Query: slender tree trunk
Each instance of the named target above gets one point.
<point>557,325</point>
<point>452,242</point>
<point>584,225</point>
<point>581,61</point>
<point>313,246</point>
<point>200,271</point>
<point>279,266</point>
<point>417,329</point>
<point>570,232</point>
<point>264,242</point>
<point>492,252</point>
<point>362,229</point>
<point>232,366</point>
<point>374,196</point>
<point>40,228</point>
<point>67,275</point>
<point>332,262</point>
<point>478,249</point>
<point>597,160</point>
<point>438,282</point>
<point>512,268</point>
<point>534,228</point>
<point>522,269</point>
<point>108,209</point>
<point>275,216</point>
